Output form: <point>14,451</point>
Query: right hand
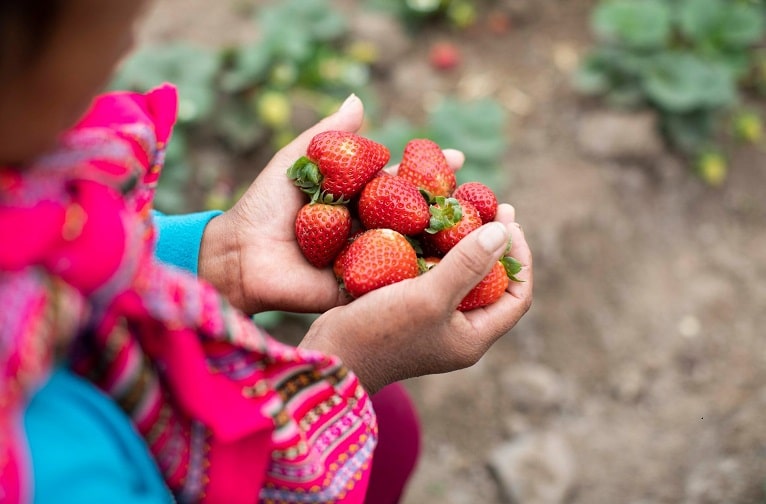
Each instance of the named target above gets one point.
<point>412,328</point>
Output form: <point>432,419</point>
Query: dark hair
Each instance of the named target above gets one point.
<point>25,26</point>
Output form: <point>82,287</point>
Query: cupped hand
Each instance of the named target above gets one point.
<point>413,328</point>
<point>250,252</point>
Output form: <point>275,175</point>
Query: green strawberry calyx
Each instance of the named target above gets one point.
<point>512,268</point>
<point>445,213</point>
<point>306,176</point>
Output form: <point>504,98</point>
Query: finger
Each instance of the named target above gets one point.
<point>468,262</point>
<point>521,252</point>
<point>497,319</point>
<point>455,160</point>
<point>349,117</point>
<point>505,214</point>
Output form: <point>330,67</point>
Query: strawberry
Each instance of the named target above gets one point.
<point>423,164</point>
<point>444,56</point>
<point>442,237</point>
<point>376,258</point>
<point>393,202</point>
<point>340,260</point>
<point>321,231</point>
<point>488,290</point>
<point>481,197</point>
<point>337,165</point>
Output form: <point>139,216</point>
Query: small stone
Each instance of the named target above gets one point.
<point>532,388</point>
<point>713,482</point>
<point>615,135</point>
<point>536,468</point>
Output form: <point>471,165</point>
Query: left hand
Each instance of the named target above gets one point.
<point>250,252</point>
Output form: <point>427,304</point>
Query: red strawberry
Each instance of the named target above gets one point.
<point>321,231</point>
<point>444,56</point>
<point>337,165</point>
<point>340,260</point>
<point>488,290</point>
<point>481,197</point>
<point>423,164</point>
<point>393,202</point>
<point>444,237</point>
<point>378,257</point>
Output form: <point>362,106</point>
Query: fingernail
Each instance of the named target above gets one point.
<point>493,236</point>
<point>347,103</point>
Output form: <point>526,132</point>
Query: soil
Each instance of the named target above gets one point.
<point>643,351</point>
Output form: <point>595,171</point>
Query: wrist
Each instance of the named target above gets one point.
<point>219,259</point>
<point>365,365</point>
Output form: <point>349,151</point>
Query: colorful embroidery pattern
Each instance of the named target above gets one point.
<point>229,414</point>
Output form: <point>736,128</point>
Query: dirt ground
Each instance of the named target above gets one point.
<point>639,374</point>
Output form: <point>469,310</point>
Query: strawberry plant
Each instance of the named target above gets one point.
<point>245,98</point>
<point>413,13</point>
<point>687,59</point>
<point>478,128</point>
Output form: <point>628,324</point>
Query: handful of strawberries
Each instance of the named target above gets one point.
<point>375,228</point>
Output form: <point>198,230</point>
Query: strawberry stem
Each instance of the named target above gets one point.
<point>306,175</point>
<point>512,267</point>
<point>445,213</point>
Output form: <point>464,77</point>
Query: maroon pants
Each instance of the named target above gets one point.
<point>398,447</point>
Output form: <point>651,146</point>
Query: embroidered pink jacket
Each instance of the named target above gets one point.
<point>229,414</point>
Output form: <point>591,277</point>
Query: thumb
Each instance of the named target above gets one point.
<point>348,117</point>
<point>468,262</point>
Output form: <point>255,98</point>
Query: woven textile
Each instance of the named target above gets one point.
<point>229,414</point>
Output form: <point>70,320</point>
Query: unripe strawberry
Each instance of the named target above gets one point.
<point>488,290</point>
<point>480,196</point>
<point>393,202</point>
<point>337,165</point>
<point>321,231</point>
<point>376,258</point>
<point>423,164</point>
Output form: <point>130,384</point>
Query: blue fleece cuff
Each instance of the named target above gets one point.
<point>180,236</point>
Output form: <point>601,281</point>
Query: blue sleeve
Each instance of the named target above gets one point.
<point>180,237</point>
<point>79,440</point>
<point>84,449</point>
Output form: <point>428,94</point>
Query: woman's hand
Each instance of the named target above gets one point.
<point>250,252</point>
<point>412,328</point>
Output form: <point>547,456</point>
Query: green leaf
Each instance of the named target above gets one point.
<point>690,132</point>
<point>309,22</point>
<point>192,69</point>
<point>250,66</point>
<point>720,24</point>
<point>512,267</point>
<point>592,76</point>
<point>394,134</point>
<point>640,24</point>
<point>682,82</point>
<point>478,129</point>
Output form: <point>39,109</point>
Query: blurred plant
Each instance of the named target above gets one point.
<point>687,59</point>
<point>477,128</point>
<point>413,13</point>
<point>249,97</point>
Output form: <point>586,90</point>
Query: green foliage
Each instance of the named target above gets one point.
<point>477,128</point>
<point>246,96</point>
<point>413,13</point>
<point>688,59</point>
